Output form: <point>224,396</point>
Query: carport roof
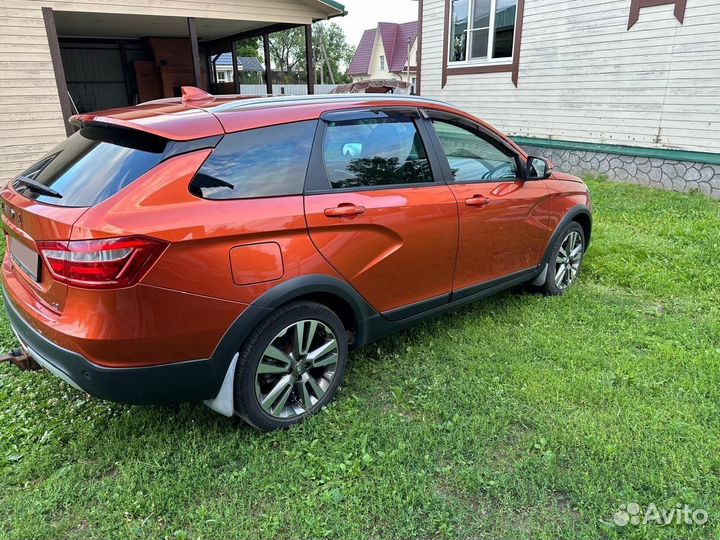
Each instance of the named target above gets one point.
<point>333,4</point>
<point>134,25</point>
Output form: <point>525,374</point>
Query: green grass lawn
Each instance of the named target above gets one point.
<point>521,416</point>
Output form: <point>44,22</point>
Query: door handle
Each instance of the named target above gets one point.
<point>477,200</point>
<point>345,210</point>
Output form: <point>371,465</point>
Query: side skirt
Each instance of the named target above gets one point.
<point>380,325</point>
<point>491,287</point>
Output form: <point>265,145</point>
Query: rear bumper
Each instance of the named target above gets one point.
<point>193,380</point>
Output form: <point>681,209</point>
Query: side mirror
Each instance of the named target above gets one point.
<point>538,168</point>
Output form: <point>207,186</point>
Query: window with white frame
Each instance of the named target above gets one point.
<point>482,30</point>
<point>382,63</point>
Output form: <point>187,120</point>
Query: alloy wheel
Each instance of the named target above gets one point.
<point>567,264</point>
<point>296,369</point>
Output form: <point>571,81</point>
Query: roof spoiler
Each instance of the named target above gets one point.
<point>159,118</point>
<point>189,94</point>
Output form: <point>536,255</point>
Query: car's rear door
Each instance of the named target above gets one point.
<point>502,223</point>
<point>376,213</point>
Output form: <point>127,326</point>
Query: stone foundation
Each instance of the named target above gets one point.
<point>682,176</point>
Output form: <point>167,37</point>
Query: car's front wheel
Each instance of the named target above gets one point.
<point>566,257</point>
<point>291,366</point>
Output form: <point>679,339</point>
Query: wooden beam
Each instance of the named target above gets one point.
<point>236,81</point>
<point>309,57</point>
<point>56,57</point>
<point>213,73</point>
<point>268,65</point>
<point>192,31</point>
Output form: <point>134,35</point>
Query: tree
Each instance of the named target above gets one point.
<point>249,48</point>
<point>287,51</point>
<point>331,52</point>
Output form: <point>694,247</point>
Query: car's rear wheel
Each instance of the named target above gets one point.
<point>565,260</point>
<point>291,366</point>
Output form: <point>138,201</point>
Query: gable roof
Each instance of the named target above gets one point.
<point>360,64</point>
<point>245,63</point>
<point>399,53</point>
<point>394,38</point>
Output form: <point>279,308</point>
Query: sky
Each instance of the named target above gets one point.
<point>364,14</point>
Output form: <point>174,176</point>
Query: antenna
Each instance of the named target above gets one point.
<point>192,93</point>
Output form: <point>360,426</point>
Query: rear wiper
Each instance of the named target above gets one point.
<point>37,187</point>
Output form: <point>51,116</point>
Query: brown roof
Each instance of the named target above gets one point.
<point>394,39</point>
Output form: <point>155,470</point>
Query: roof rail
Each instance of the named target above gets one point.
<point>290,100</point>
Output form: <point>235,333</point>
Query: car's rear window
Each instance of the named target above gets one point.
<point>91,166</point>
<point>264,162</point>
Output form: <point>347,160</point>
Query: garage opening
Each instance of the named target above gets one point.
<point>101,74</point>
<point>118,60</point>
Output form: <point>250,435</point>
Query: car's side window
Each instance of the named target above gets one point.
<point>264,162</point>
<point>473,157</point>
<point>378,151</point>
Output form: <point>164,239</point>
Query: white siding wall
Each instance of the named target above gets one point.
<point>30,117</point>
<point>378,51</point>
<point>585,77</point>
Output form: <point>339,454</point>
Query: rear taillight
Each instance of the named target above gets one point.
<point>101,264</point>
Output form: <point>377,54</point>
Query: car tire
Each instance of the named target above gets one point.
<point>291,366</point>
<point>563,267</point>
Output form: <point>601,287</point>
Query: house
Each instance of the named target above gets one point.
<point>63,56</point>
<point>252,77</point>
<point>626,88</point>
<point>388,51</point>
<point>247,66</point>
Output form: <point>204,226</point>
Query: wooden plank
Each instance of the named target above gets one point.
<point>268,66</point>
<point>53,43</point>
<point>309,58</point>
<point>233,54</point>
<point>195,53</point>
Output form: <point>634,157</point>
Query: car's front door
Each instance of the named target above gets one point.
<point>375,212</point>
<point>502,223</point>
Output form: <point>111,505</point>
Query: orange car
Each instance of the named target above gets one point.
<point>232,250</point>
